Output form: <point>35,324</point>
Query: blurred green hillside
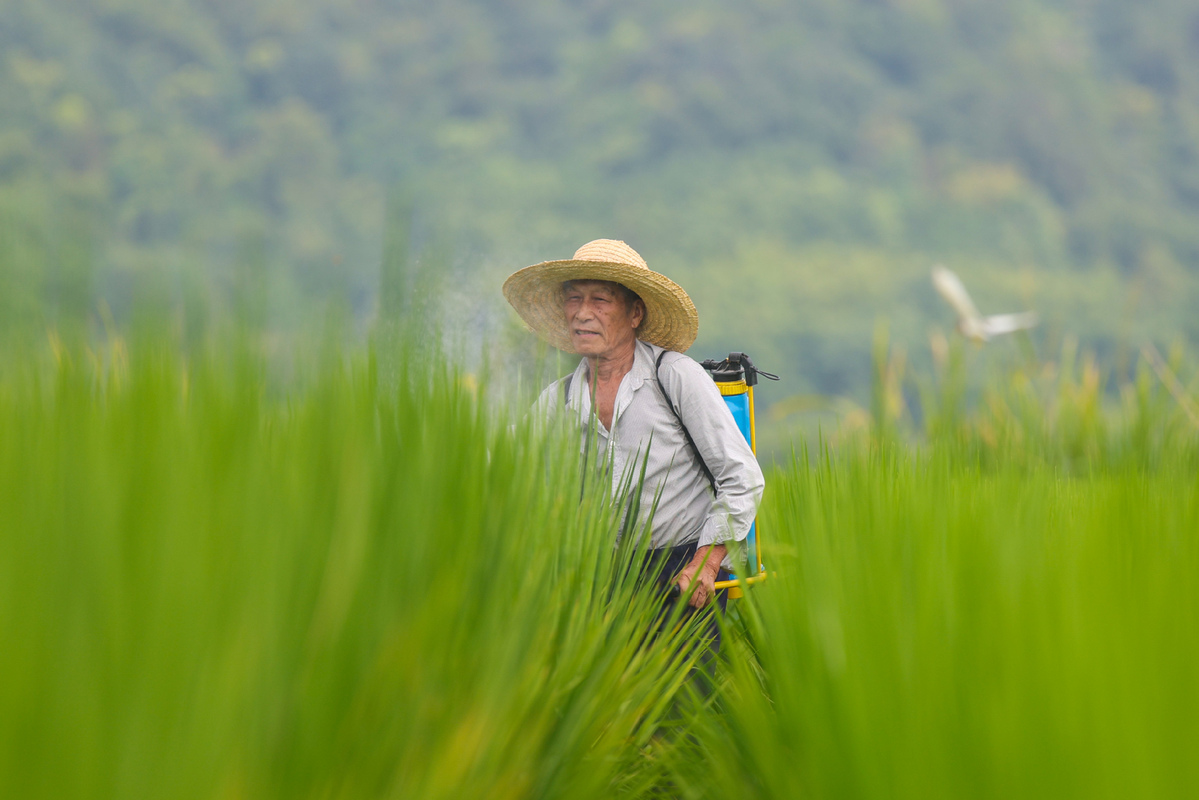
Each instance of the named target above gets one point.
<point>798,166</point>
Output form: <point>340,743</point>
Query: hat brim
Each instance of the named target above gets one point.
<point>671,321</point>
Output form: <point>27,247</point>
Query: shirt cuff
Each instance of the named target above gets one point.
<point>716,532</point>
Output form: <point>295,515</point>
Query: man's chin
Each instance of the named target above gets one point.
<point>586,345</point>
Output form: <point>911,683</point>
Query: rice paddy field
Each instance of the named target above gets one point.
<point>380,581</point>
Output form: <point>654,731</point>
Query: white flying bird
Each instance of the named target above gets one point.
<point>971,324</point>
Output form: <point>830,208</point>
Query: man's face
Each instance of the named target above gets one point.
<point>600,320</point>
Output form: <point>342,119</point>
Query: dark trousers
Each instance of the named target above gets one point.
<point>672,561</point>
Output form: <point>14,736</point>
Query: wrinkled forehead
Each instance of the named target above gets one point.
<point>607,287</point>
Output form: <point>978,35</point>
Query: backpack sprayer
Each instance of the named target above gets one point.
<point>736,377</point>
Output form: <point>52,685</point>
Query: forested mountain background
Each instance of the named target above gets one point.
<point>798,166</point>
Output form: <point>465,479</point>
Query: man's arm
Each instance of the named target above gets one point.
<point>719,442</point>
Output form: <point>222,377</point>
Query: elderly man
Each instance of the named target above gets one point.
<point>636,390</point>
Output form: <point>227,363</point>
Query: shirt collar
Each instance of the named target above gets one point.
<point>642,370</point>
<point>643,365</point>
<point>644,355</point>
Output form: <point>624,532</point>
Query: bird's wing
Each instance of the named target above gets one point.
<point>1009,323</point>
<point>948,285</point>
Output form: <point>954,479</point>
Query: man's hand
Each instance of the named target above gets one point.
<point>703,568</point>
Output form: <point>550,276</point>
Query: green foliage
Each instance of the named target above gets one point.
<point>1069,412</point>
<point>936,627</point>
<point>234,570</point>
<point>367,589</point>
<point>793,164</point>
<point>363,581</point>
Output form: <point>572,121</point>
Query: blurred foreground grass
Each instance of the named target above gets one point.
<point>369,585</point>
<point>945,626</point>
<point>365,588</point>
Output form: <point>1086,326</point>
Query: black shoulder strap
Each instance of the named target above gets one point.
<point>566,390</point>
<point>669,404</point>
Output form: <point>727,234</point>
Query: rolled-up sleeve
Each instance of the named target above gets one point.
<point>738,477</point>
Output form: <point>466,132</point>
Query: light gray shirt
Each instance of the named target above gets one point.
<point>687,510</point>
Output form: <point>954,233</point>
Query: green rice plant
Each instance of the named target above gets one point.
<point>357,588</point>
<point>1075,414</point>
<point>936,627</point>
<point>1072,412</point>
<point>358,577</point>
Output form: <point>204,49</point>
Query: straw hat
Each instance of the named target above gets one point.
<point>671,320</point>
